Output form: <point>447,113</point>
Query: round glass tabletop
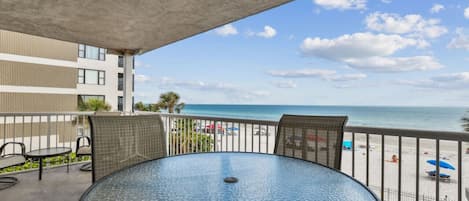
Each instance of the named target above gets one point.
<point>228,176</point>
<point>48,152</point>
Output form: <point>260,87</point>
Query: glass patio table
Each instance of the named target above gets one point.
<point>49,152</point>
<point>228,176</point>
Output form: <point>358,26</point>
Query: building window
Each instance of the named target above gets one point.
<point>120,81</point>
<point>120,103</point>
<point>85,98</point>
<point>90,52</point>
<point>101,77</point>
<point>81,76</point>
<point>120,61</point>
<point>133,83</point>
<point>102,54</point>
<point>87,76</point>
<point>81,51</point>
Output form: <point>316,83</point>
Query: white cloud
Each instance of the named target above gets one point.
<point>419,83</point>
<point>386,1</point>
<point>445,81</point>
<point>395,64</point>
<point>355,51</point>
<point>357,45</point>
<point>287,84</point>
<point>436,8</point>
<point>329,75</point>
<point>413,25</point>
<point>166,82</point>
<point>225,88</point>
<point>466,13</point>
<point>142,78</point>
<point>453,77</point>
<point>461,41</point>
<point>347,77</point>
<point>301,73</point>
<point>342,4</point>
<point>226,30</point>
<point>268,32</point>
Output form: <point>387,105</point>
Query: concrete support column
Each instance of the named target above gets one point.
<point>128,82</point>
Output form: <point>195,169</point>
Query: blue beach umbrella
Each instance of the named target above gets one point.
<point>347,144</point>
<point>443,164</point>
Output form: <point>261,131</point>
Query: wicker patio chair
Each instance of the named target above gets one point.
<point>121,141</point>
<point>312,138</point>
<point>10,160</point>
<point>83,147</point>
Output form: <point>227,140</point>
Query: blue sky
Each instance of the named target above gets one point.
<point>321,52</point>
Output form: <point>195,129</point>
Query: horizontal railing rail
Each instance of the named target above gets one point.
<point>38,130</point>
<point>367,158</point>
<point>264,122</point>
<point>42,113</point>
<point>392,161</point>
<point>427,134</point>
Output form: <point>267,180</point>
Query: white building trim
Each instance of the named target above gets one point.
<point>37,60</point>
<point>36,90</point>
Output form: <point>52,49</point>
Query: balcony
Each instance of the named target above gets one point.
<point>391,162</point>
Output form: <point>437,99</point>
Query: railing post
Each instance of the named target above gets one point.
<point>460,171</point>
<point>382,165</point>
<point>437,169</point>
<point>14,133</point>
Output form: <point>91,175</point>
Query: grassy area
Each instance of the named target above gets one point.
<point>48,162</point>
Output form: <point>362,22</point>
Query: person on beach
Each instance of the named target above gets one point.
<point>394,159</point>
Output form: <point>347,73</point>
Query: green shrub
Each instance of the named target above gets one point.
<point>48,162</point>
<point>191,142</point>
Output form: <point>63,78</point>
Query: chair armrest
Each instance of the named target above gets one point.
<point>23,148</point>
<point>79,139</point>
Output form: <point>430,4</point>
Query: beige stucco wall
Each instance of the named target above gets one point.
<point>65,129</point>
<point>35,102</point>
<point>28,45</point>
<point>27,74</point>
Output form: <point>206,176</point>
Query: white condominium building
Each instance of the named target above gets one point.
<point>45,75</point>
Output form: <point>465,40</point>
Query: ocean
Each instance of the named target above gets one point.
<point>428,118</point>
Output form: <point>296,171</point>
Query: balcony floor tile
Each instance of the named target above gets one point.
<point>56,184</point>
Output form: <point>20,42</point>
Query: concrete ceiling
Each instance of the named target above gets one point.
<point>133,26</point>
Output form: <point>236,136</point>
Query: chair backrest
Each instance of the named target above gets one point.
<point>121,141</point>
<point>312,138</point>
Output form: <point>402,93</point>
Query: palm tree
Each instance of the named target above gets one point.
<point>465,123</point>
<point>149,108</point>
<point>94,104</point>
<point>170,101</point>
<point>140,106</point>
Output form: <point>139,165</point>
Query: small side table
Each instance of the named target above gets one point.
<point>49,152</point>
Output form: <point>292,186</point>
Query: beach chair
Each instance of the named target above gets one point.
<point>121,141</point>
<point>294,139</point>
<point>443,176</point>
<point>10,160</point>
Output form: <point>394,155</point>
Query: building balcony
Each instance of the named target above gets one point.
<point>393,163</point>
